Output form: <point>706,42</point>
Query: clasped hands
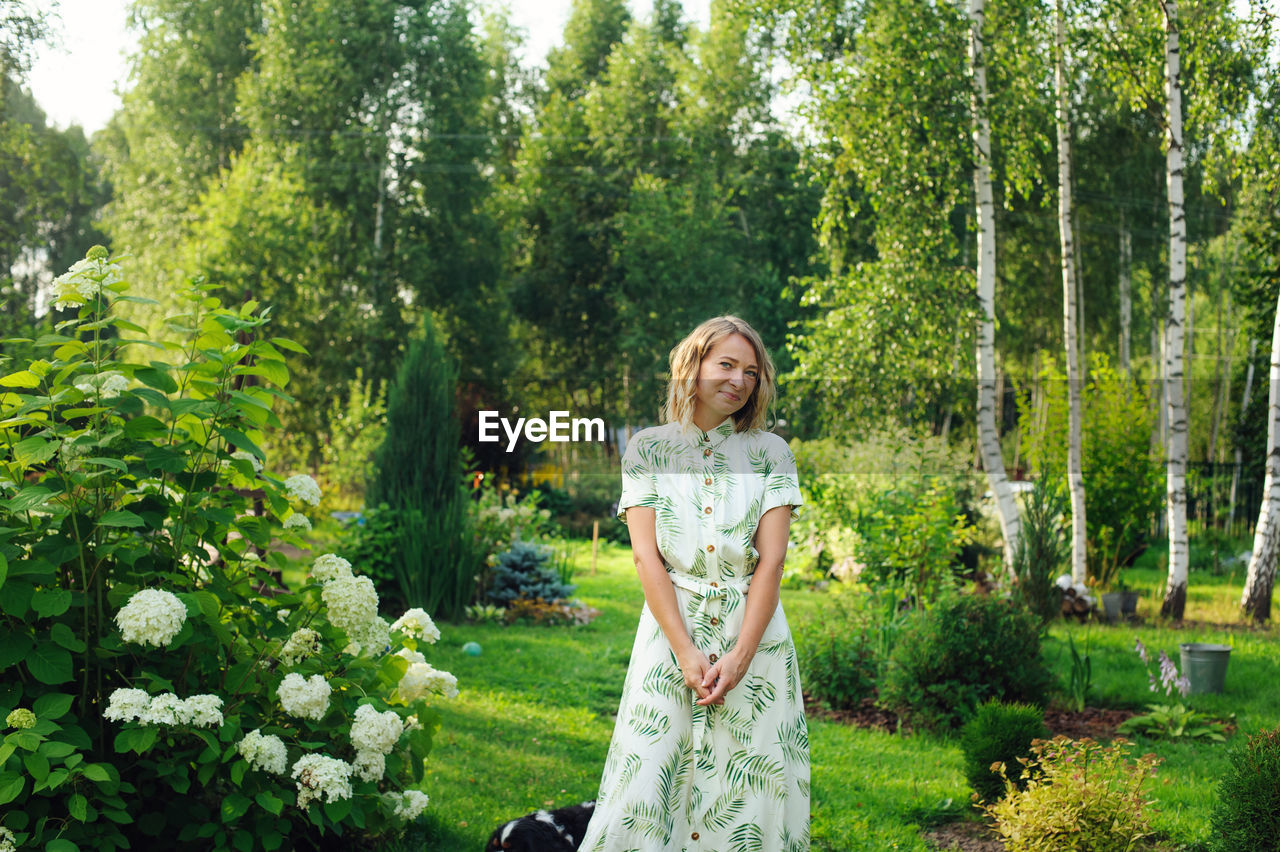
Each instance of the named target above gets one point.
<point>711,681</point>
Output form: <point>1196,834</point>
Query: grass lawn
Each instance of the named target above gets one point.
<point>533,720</point>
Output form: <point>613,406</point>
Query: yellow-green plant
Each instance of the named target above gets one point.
<point>147,651</point>
<point>1077,796</point>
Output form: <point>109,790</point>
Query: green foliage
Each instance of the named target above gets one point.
<point>1081,677</point>
<point>525,572</point>
<point>1174,721</point>
<point>895,503</point>
<point>1078,795</point>
<point>1123,478</point>
<point>837,657</point>
<point>419,473</point>
<point>1246,813</point>
<point>999,733</point>
<point>964,650</point>
<point>122,478</point>
<point>1041,552</point>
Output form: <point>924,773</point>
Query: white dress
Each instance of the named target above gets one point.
<point>681,777</point>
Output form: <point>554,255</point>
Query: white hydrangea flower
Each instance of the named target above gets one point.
<point>264,751</point>
<point>370,765</point>
<point>302,487</point>
<point>114,383</point>
<point>304,643</point>
<point>373,639</point>
<point>282,615</point>
<point>417,623</point>
<point>352,603</point>
<point>205,711</point>
<point>374,731</point>
<point>297,521</point>
<point>167,709</point>
<point>126,705</point>
<point>320,775</point>
<point>329,566</point>
<point>411,655</point>
<point>83,281</point>
<point>408,805</point>
<point>8,840</point>
<point>306,699</point>
<point>422,678</point>
<point>151,617</point>
<point>245,455</point>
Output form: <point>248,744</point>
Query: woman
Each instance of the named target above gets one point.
<point>710,750</point>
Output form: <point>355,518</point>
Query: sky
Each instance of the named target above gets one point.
<point>77,78</point>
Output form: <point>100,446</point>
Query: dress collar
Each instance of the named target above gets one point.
<point>713,438</point>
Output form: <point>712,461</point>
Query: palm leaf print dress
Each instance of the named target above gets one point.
<point>679,777</point>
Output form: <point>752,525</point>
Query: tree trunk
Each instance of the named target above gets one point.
<point>1070,322</point>
<point>1244,406</point>
<point>988,429</point>
<point>1256,600</point>
<point>1126,296</point>
<point>1175,593</point>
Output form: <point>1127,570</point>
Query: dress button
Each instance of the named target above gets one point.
<point>707,510</point>
<point>706,481</point>
<point>713,658</point>
<point>714,622</point>
<point>711,548</point>
<point>707,453</point>
<point>694,835</point>
<point>715,585</point>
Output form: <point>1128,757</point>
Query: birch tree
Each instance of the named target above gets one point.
<point>1256,599</point>
<point>1175,594</point>
<point>1075,473</point>
<point>988,432</point>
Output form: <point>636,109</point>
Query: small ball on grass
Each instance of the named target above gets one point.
<point>471,649</point>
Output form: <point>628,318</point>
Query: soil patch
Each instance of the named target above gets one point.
<point>965,836</point>
<point>1100,723</point>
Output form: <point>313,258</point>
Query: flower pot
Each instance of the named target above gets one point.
<point>1205,665</point>
<point>1120,605</point>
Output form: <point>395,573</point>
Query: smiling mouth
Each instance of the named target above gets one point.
<point>730,396</point>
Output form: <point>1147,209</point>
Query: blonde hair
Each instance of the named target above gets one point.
<point>686,362</point>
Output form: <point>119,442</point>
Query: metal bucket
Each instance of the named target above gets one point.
<point>1205,665</point>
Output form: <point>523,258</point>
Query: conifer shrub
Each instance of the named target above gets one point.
<point>999,733</point>
<point>1246,817</point>
<point>419,473</point>
<point>964,650</point>
<point>525,573</point>
<point>1077,795</point>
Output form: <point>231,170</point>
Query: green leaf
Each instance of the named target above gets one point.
<point>235,806</point>
<point>11,785</point>
<point>270,803</point>
<point>271,840</point>
<point>337,811</point>
<point>78,806</point>
<point>97,772</point>
<point>50,602</point>
<point>114,464</point>
<point>53,705</point>
<point>37,766</point>
<point>34,450</point>
<point>21,379</point>
<point>62,634</point>
<point>31,497</point>
<point>240,441</point>
<point>53,749</point>
<point>292,346</point>
<point>13,648</point>
<point>4,570</point>
<point>121,518</point>
<point>50,664</point>
<point>61,844</point>
<point>157,379</point>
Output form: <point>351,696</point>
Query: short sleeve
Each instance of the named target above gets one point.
<point>782,482</point>
<point>639,484</point>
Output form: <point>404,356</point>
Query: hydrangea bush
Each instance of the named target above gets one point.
<point>147,649</point>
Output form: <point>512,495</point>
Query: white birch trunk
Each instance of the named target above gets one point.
<point>1070,321</point>
<point>1175,593</point>
<point>1126,295</point>
<point>1256,600</point>
<point>988,429</point>
<point>1244,406</point>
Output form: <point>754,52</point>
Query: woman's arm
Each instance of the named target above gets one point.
<point>661,597</point>
<point>762,601</point>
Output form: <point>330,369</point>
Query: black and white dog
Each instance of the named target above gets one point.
<point>543,831</point>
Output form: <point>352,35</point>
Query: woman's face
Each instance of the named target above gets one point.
<point>726,379</point>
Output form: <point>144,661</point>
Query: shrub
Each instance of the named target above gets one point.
<point>1041,551</point>
<point>419,472</point>
<point>141,663</point>
<point>963,651</point>
<point>999,733</point>
<point>1078,795</point>
<point>837,662</point>
<point>524,572</point>
<point>1246,815</point>
<point>895,503</point>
